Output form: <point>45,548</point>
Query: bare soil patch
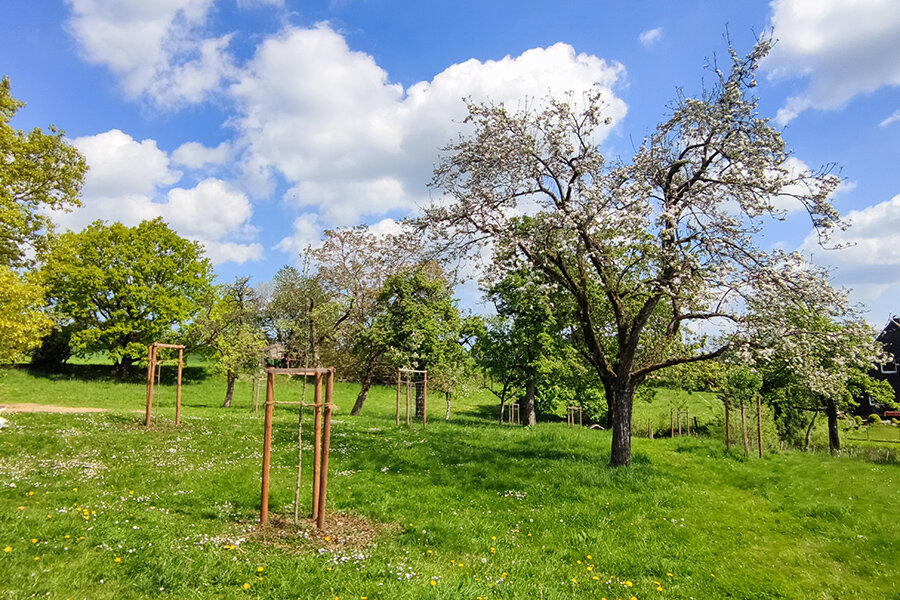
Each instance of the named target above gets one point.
<point>27,407</point>
<point>342,532</point>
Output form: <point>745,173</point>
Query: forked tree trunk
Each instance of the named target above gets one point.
<point>809,430</point>
<point>620,422</point>
<point>834,440</point>
<point>530,415</point>
<point>448,397</point>
<point>229,391</point>
<point>365,386</point>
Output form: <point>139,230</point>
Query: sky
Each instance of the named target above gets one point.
<point>252,126</point>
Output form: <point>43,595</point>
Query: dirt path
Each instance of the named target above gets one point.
<point>27,407</point>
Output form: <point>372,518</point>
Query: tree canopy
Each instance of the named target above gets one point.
<point>37,171</point>
<point>647,250</point>
<point>123,288</point>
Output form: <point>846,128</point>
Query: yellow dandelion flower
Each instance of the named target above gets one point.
<point>21,508</point>
<point>7,549</point>
<point>459,565</point>
<point>659,588</point>
<point>433,582</point>
<point>628,583</point>
<point>260,578</point>
<point>260,569</point>
<point>430,552</point>
<point>493,537</point>
<point>37,558</point>
<point>34,540</point>
<point>75,489</point>
<point>327,539</point>
<point>669,575</point>
<point>493,549</point>
<point>590,567</point>
<point>589,557</point>
<point>633,598</point>
<point>595,578</point>
<point>578,561</point>
<point>117,559</point>
<point>711,575</point>
<point>31,493</point>
<point>246,586</point>
<point>574,580</point>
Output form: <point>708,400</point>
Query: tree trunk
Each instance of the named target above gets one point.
<point>759,425</point>
<point>313,336</point>
<point>123,368</point>
<point>620,422</point>
<point>744,428</point>
<point>530,415</point>
<point>229,391</point>
<point>727,424</point>
<point>809,431</point>
<point>834,440</point>
<point>502,402</point>
<point>366,384</point>
<point>447,396</point>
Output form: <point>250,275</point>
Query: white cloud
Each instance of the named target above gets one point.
<point>891,119</point>
<point>842,48</point>
<point>125,184</point>
<point>870,260</point>
<point>351,144</point>
<point>157,49</point>
<point>650,37</point>
<point>307,234</point>
<point>198,156</point>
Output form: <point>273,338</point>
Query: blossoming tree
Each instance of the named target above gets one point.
<point>648,250</point>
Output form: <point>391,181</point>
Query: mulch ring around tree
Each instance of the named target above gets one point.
<point>342,532</point>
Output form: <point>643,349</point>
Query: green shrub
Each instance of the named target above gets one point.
<point>895,421</point>
<point>859,420</point>
<point>874,418</point>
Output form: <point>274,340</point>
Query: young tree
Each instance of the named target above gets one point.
<point>37,171</point>
<point>642,248</point>
<point>230,325</point>
<point>418,326</point>
<point>123,288</point>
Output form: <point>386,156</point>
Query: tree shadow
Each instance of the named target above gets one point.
<point>95,373</point>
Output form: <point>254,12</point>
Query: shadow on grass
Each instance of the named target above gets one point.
<point>95,373</point>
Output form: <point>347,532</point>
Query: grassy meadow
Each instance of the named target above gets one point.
<point>95,506</point>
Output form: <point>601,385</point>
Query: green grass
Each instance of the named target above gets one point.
<point>481,510</point>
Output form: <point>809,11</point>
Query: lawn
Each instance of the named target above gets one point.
<point>97,506</point>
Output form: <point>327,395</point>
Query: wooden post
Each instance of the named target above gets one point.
<point>425,398</point>
<point>759,424</point>
<point>398,397</point>
<point>679,423</point>
<point>727,424</point>
<point>687,419</point>
<point>178,392</point>
<point>317,443</point>
<point>326,443</point>
<point>267,448</point>
<point>744,427</point>
<point>672,421</point>
<point>581,416</point>
<point>151,366</point>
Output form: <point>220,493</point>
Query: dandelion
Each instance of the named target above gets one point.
<point>433,582</point>
<point>246,586</point>
<point>659,588</point>
<point>669,575</point>
<point>493,549</point>
<point>37,558</point>
<point>21,508</point>
<point>34,540</point>
<point>493,537</point>
<point>327,539</point>
<point>75,489</point>
<point>31,493</point>
<point>7,549</point>
<point>117,559</point>
<point>260,569</point>
<point>589,557</point>
<point>633,598</point>
<point>711,575</point>
<point>629,584</point>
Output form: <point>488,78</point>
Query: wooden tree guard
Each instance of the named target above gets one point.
<point>571,411</point>
<point>404,376</point>
<point>514,416</point>
<point>675,415</point>
<point>151,367</point>
<point>322,436</point>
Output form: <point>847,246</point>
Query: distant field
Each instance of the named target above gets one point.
<point>96,506</point>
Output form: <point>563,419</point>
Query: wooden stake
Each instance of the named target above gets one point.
<point>151,359</point>
<point>178,392</point>
<point>672,421</point>
<point>744,427</point>
<point>407,402</point>
<point>398,398</point>
<point>759,425</point>
<point>267,449</point>
<point>425,399</point>
<point>299,453</point>
<point>326,443</point>
<point>317,443</point>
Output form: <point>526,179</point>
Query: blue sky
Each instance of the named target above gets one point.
<point>252,125</point>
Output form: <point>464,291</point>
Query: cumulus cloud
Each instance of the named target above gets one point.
<point>157,49</point>
<point>197,156</point>
<point>650,37</point>
<point>352,144</point>
<point>125,183</point>
<point>841,48</point>
<point>869,262</point>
